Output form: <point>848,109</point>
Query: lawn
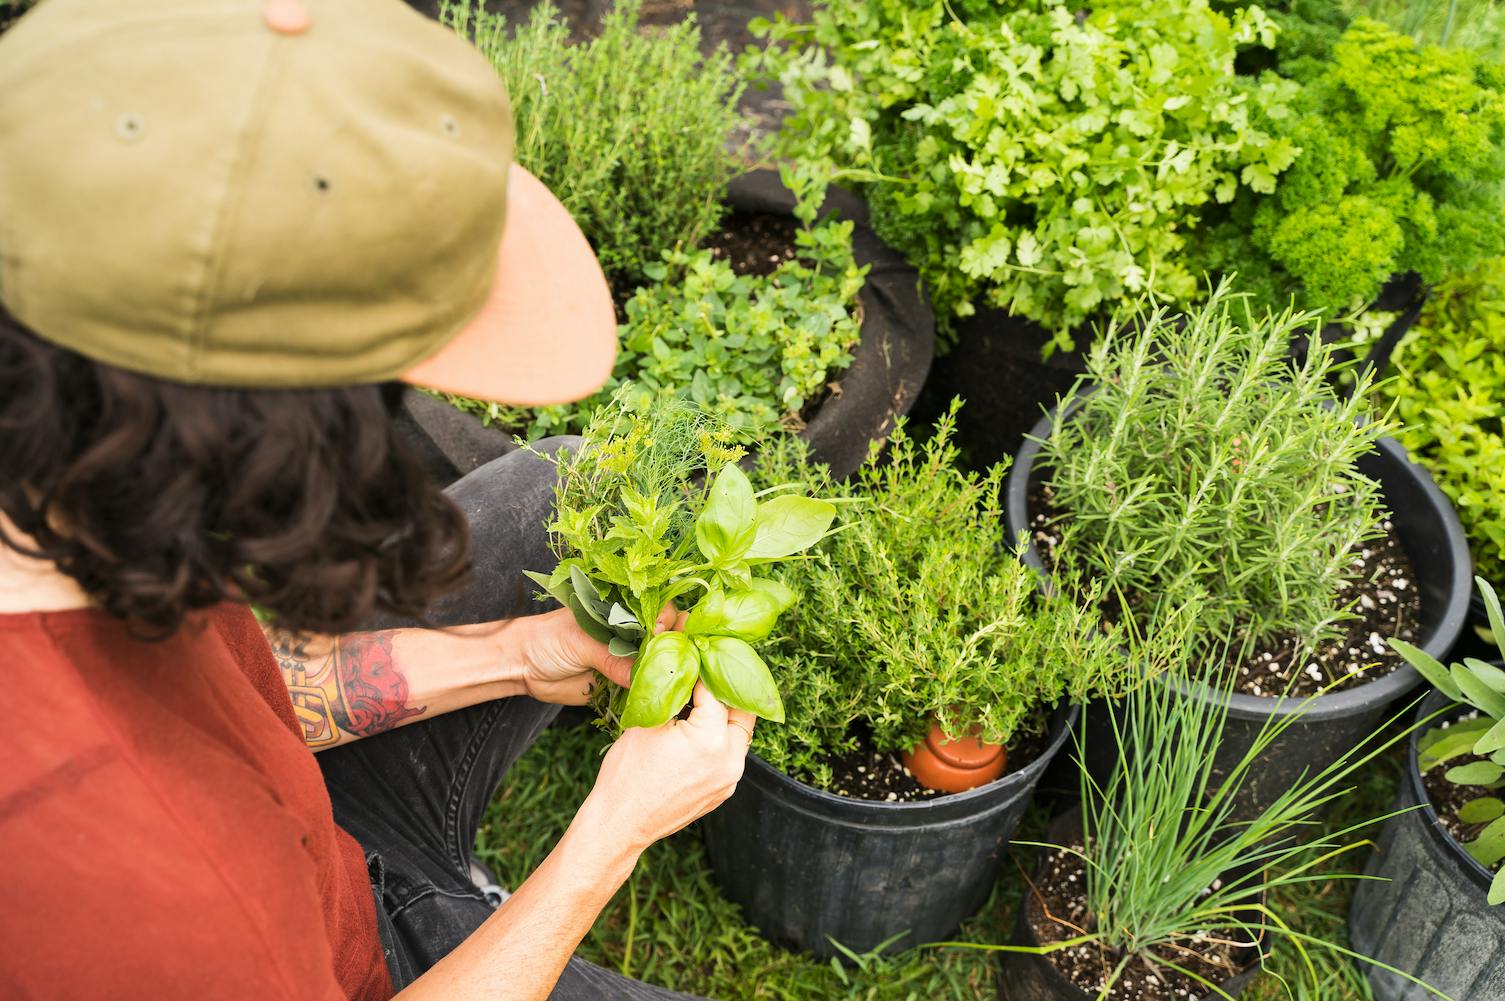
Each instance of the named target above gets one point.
<point>671,926</point>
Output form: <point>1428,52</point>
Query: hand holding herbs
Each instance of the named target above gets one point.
<point>653,509</point>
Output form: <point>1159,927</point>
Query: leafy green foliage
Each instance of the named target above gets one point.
<point>1401,166</point>
<point>917,610</point>
<point>629,130</point>
<point>753,349</point>
<point>1449,393</point>
<point>1480,686</point>
<point>653,509</point>
<point>1027,155</point>
<point>1202,468</point>
<point>1478,25</point>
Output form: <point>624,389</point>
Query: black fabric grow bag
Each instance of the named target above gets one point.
<point>807,866</point>
<point>889,363</point>
<point>1331,725</point>
<point>1427,914</point>
<point>1026,976</point>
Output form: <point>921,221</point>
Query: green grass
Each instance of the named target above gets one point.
<point>671,926</point>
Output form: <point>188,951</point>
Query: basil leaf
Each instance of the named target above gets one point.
<point>1430,667</point>
<point>746,614</point>
<point>736,675</point>
<point>662,680</point>
<point>789,524</point>
<point>725,528</point>
<point>777,589</point>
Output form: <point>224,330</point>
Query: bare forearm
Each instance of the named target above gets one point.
<point>520,951</point>
<point>352,686</point>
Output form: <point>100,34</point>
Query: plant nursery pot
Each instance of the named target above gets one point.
<point>1332,724</point>
<point>808,867</point>
<point>889,363</point>
<point>1030,977</point>
<point>1427,913</point>
<point>955,765</point>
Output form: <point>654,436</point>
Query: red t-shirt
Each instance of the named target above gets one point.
<point>164,832</point>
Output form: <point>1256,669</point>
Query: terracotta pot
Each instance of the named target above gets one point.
<point>955,765</point>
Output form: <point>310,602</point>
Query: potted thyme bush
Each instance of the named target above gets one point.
<point>1154,889</point>
<point>1197,465</point>
<point>1436,908</point>
<point>915,613</point>
<point>723,295</point>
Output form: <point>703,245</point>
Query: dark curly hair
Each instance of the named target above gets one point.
<point>159,498</point>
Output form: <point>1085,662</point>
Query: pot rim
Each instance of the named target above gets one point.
<point>1417,788</point>
<point>1062,720</point>
<point>1348,702</point>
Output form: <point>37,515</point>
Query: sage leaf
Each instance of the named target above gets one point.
<point>1475,773</point>
<point>1430,667</point>
<point>1489,847</point>
<point>556,589</point>
<point>748,614</point>
<point>585,591</point>
<point>1481,810</point>
<point>662,680</point>
<point>618,647</point>
<point>736,675</point>
<point>789,524</point>
<point>594,627</point>
<point>724,530</point>
<point>623,621</point>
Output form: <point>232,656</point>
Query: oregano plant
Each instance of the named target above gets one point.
<point>653,509</point>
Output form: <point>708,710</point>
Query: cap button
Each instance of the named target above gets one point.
<point>286,17</point>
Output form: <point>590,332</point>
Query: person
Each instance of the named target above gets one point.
<point>230,233</point>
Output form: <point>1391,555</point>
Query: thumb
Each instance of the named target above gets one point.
<point>707,712</point>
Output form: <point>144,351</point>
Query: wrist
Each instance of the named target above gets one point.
<point>615,838</point>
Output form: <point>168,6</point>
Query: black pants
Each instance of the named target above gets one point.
<point>414,797</point>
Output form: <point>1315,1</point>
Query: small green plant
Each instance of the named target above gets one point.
<point>1172,866</point>
<point>918,610</point>
<point>1480,686</point>
<point>1478,25</point>
<point>1449,394</point>
<point>1035,156</point>
<point>753,349</point>
<point>630,130</point>
<point>1401,168</point>
<point>1202,468</point>
<point>653,509</point>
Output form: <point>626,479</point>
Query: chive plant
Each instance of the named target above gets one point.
<point>1204,467</point>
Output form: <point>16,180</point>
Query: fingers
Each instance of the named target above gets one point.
<point>668,618</point>
<point>740,723</point>
<point>707,712</point>
<point>618,669</point>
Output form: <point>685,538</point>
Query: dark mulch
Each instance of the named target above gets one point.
<point>1448,798</point>
<point>866,773</point>
<point>1057,910</point>
<point>754,243</point>
<point>1383,597</point>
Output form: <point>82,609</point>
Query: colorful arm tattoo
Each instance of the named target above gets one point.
<point>352,689</point>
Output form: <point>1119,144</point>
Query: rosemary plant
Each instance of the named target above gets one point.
<point>1203,467</point>
<point>918,610</point>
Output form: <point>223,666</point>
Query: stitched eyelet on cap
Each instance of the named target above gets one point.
<point>449,125</point>
<point>130,126</point>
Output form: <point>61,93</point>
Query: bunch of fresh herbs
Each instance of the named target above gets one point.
<point>1449,394</point>
<point>918,611</point>
<point>1401,168</point>
<point>753,349</point>
<point>1203,468</point>
<point>1481,687</point>
<point>653,509</point>
<point>630,130</point>
<point>1033,156</point>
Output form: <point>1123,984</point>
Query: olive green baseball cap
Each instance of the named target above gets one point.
<point>285,193</point>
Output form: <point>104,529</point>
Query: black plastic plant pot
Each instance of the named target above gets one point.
<point>1427,912</point>
<point>1330,725</point>
<point>889,363</point>
<point>808,867</point>
<point>1024,976</point>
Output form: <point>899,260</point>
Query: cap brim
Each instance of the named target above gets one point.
<point>547,333</point>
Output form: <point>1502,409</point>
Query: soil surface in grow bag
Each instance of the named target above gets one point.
<point>754,243</point>
<point>866,773</point>
<point>1383,597</point>
<point>1057,910</point>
